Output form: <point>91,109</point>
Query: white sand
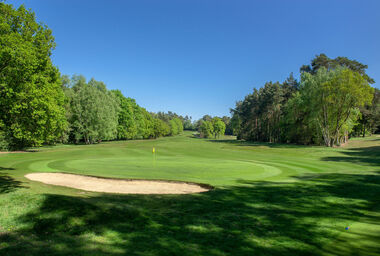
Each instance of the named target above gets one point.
<point>116,185</point>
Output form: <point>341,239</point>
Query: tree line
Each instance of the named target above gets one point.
<point>94,113</point>
<point>39,106</point>
<point>332,101</point>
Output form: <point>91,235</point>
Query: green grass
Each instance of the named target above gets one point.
<point>269,199</point>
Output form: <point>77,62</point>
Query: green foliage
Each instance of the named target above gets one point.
<point>235,121</point>
<point>166,117</point>
<point>147,124</point>
<point>332,97</point>
<point>4,144</point>
<point>161,128</point>
<point>206,129</point>
<point>173,127</point>
<point>298,125</point>
<point>32,101</point>
<point>260,114</point>
<point>182,123</point>
<point>127,127</point>
<point>96,114</point>
<point>369,121</point>
<point>188,125</point>
<point>322,109</point>
<point>322,61</point>
<point>176,126</point>
<point>93,111</point>
<point>228,125</point>
<point>219,127</point>
<point>179,125</point>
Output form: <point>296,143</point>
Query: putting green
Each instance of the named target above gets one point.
<point>184,168</point>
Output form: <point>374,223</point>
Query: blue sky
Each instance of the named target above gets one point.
<point>197,57</point>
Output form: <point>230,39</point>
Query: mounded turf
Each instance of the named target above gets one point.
<point>269,199</point>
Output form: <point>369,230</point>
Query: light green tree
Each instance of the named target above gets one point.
<point>173,127</point>
<point>179,125</point>
<point>127,128</point>
<point>93,111</point>
<point>161,128</point>
<point>206,129</point>
<point>219,127</point>
<point>333,96</point>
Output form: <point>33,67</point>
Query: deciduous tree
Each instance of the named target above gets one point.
<point>32,101</point>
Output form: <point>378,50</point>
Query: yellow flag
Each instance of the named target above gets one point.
<point>154,150</point>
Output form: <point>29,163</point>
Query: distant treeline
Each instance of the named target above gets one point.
<point>333,101</point>
<point>213,127</point>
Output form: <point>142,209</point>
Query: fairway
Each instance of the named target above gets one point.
<point>269,199</point>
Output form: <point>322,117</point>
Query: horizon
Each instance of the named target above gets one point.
<point>196,58</point>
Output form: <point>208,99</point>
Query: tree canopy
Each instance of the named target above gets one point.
<point>323,108</point>
<point>95,114</point>
<point>322,60</point>
<point>333,100</point>
<point>32,101</point>
<point>219,127</point>
<point>92,111</point>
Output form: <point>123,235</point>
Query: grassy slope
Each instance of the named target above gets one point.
<point>269,200</point>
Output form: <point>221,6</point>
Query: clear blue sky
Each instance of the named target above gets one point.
<point>199,57</point>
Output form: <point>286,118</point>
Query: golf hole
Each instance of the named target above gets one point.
<point>119,186</point>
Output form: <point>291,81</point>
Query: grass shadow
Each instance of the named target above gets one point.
<point>252,218</point>
<point>7,183</point>
<point>362,155</point>
<point>244,143</point>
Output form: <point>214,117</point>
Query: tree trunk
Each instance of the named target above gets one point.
<point>346,137</point>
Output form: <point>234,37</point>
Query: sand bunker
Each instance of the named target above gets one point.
<point>120,186</point>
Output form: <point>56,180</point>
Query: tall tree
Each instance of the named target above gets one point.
<point>370,115</point>
<point>227,122</point>
<point>161,128</point>
<point>94,111</point>
<point>127,128</point>
<point>179,124</point>
<point>32,102</point>
<point>188,124</point>
<point>219,127</point>
<point>323,108</point>
<point>174,129</point>
<point>333,95</point>
<point>206,129</point>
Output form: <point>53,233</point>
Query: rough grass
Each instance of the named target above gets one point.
<point>270,199</point>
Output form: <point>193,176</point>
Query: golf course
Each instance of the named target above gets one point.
<point>265,199</point>
<point>189,128</point>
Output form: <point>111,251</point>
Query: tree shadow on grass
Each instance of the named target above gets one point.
<point>363,155</point>
<point>7,183</point>
<point>257,144</point>
<point>252,218</point>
